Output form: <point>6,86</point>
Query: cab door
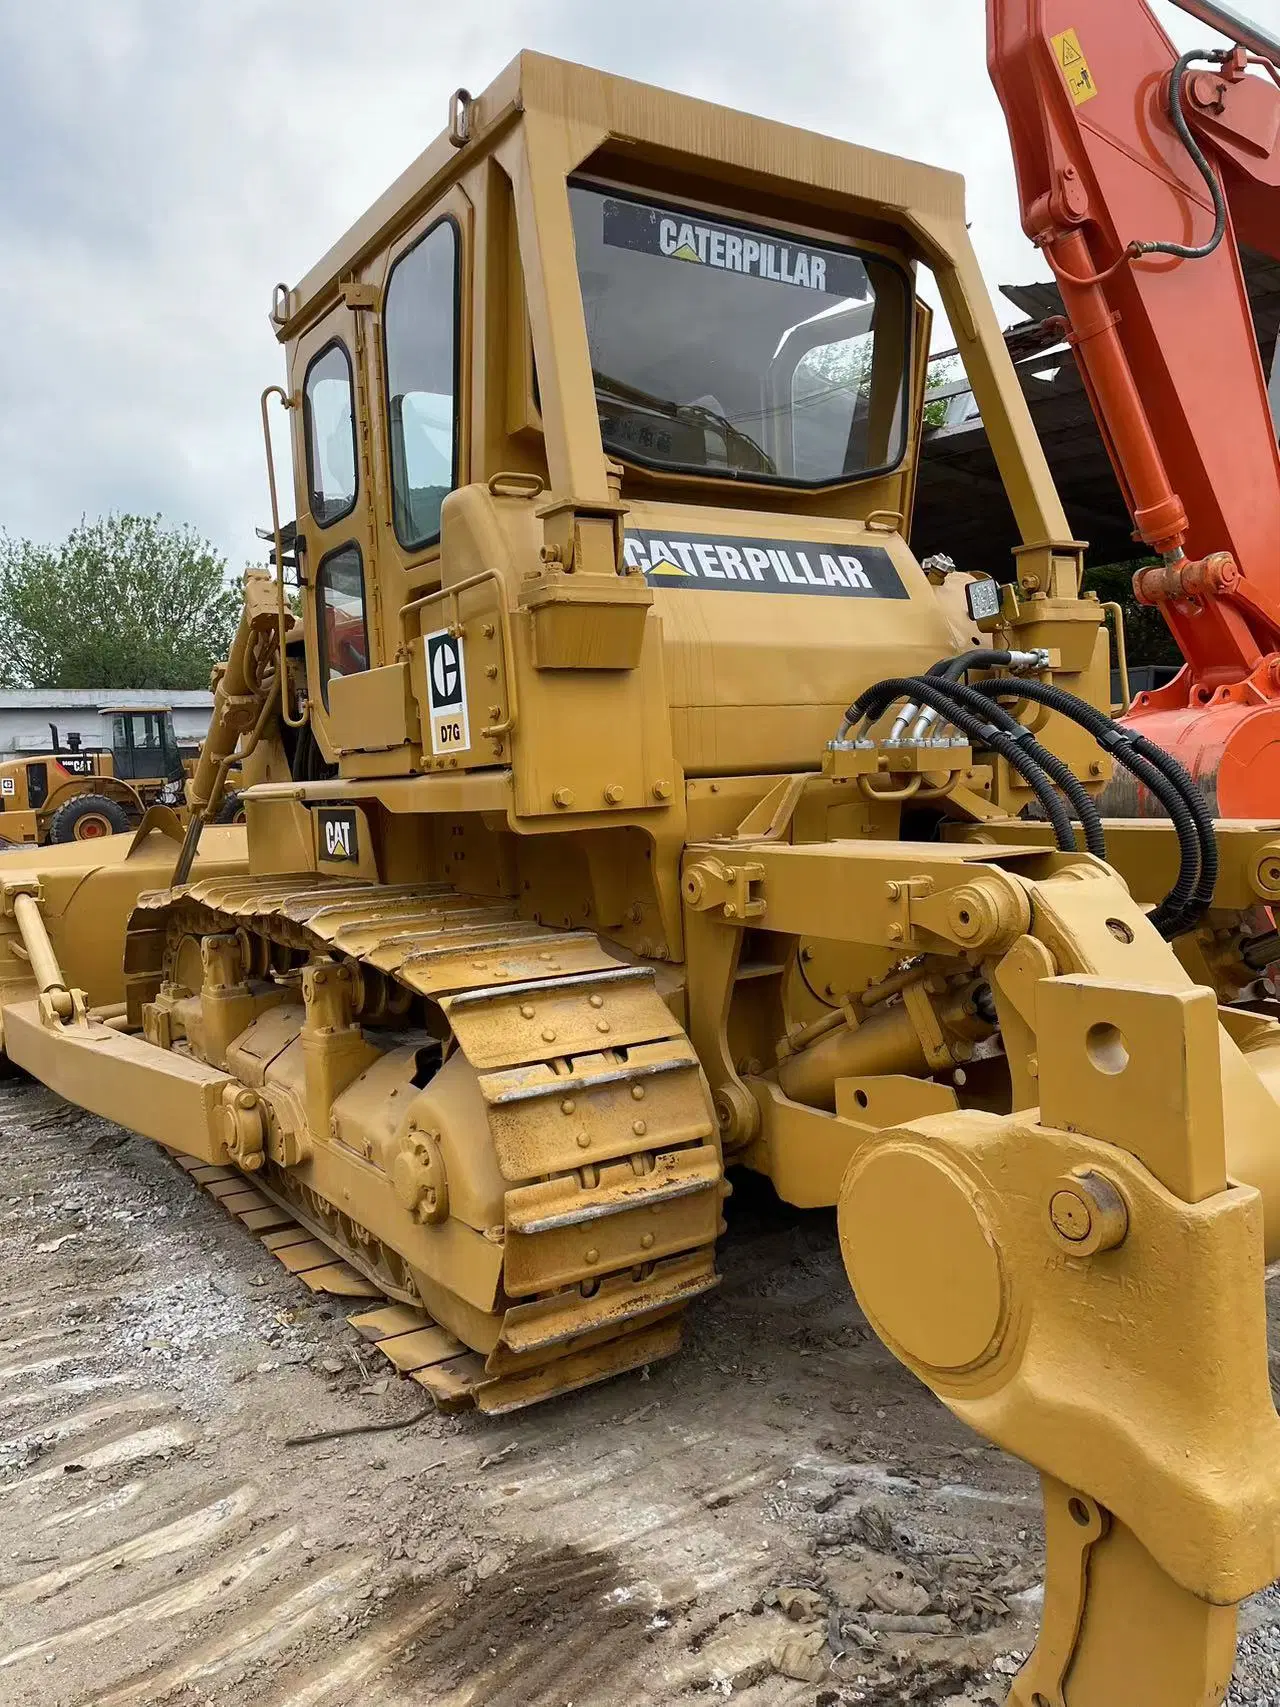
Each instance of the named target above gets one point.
<point>336,548</point>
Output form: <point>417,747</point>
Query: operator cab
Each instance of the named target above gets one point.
<point>602,355</point>
<point>143,744</point>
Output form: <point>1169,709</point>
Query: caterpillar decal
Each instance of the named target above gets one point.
<point>728,248</point>
<point>764,565</point>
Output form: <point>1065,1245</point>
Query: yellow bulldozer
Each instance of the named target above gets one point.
<point>652,811</point>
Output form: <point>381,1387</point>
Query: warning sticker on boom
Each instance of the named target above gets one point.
<point>1075,67</point>
<point>709,561</point>
<point>447,693</point>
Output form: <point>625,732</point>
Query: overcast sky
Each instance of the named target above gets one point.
<point>164,162</point>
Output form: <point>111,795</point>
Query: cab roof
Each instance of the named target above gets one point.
<point>660,124</point>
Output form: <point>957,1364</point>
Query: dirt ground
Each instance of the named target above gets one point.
<point>756,1519</point>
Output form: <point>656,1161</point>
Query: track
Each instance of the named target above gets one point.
<point>596,1114</point>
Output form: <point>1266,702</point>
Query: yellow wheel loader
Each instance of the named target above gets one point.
<point>77,793</point>
<point>651,810</point>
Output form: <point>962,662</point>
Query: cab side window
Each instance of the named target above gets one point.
<point>340,616</point>
<point>420,316</point>
<point>330,431</point>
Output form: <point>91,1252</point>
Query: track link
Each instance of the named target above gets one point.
<point>598,1117</point>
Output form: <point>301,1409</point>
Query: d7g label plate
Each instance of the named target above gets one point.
<point>447,692</point>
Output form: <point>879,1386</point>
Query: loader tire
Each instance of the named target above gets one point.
<point>85,817</point>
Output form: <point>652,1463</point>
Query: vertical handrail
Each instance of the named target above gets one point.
<point>1116,612</point>
<point>282,615</point>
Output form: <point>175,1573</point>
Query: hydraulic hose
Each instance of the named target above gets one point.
<point>1178,118</point>
<point>980,727</point>
<point>981,658</point>
<point>1135,250</point>
<point>1058,771</point>
<point>1192,894</point>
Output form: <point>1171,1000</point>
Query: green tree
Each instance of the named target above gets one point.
<point>847,364</point>
<point>123,602</point>
<point>1147,637</point>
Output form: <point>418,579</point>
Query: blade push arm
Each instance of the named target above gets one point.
<point>1139,174</point>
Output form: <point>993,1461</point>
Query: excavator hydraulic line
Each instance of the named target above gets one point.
<point>1141,172</point>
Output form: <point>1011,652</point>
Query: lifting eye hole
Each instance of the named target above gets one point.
<point>1080,1515</point>
<point>861,1098</point>
<point>1107,1048</point>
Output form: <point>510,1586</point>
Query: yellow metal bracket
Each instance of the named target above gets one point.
<point>808,890</point>
<point>1083,1283</point>
<point>729,886</point>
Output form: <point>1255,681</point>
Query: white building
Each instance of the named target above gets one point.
<point>27,713</point>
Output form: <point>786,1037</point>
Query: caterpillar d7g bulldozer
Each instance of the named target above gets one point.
<point>641,824</point>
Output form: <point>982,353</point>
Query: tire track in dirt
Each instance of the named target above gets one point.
<point>616,1548</point>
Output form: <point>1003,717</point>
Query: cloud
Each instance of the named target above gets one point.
<point>165,164</point>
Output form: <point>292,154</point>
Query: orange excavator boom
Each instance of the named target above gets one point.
<point>1141,173</point>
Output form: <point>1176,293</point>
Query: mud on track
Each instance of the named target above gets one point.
<point>743,1522</point>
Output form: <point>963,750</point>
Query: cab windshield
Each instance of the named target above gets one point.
<point>748,353</point>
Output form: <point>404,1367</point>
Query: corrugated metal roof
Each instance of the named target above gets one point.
<point>92,699</point>
<point>961,506</point>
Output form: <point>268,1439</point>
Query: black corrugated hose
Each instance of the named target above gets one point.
<point>1192,894</point>
<point>983,729</point>
<point>975,711</point>
<point>1058,770</point>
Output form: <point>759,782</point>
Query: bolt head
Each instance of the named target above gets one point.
<point>1088,1213</point>
<point>1070,1215</point>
